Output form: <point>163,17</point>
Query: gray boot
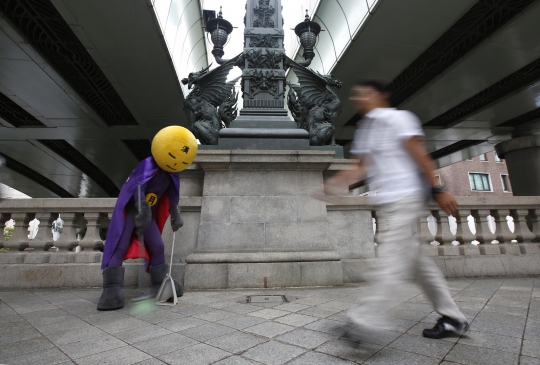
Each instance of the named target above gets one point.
<point>157,274</point>
<point>112,297</point>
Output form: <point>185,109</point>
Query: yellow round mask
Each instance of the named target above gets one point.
<point>174,148</point>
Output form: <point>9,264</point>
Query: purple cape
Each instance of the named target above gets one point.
<point>143,172</point>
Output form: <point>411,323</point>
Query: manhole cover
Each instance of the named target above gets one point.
<point>266,299</point>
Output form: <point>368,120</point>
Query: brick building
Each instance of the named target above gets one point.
<point>484,175</point>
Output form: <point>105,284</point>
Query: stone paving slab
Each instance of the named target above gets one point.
<point>60,326</point>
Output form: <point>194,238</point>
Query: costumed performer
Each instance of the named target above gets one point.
<point>173,149</point>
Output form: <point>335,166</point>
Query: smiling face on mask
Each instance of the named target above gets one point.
<point>174,148</point>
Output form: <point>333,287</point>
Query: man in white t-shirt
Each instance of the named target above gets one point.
<point>390,149</point>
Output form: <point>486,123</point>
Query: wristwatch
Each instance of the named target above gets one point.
<point>438,189</point>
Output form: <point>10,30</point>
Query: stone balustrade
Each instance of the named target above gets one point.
<point>489,237</point>
<point>480,221</point>
<point>85,222</point>
<point>486,238</point>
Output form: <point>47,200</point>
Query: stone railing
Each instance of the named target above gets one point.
<point>489,236</point>
<point>85,223</point>
<point>479,221</point>
<point>483,222</point>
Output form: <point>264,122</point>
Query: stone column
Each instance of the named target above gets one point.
<point>259,227</point>
<point>522,155</point>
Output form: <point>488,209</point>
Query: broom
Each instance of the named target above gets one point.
<point>144,302</point>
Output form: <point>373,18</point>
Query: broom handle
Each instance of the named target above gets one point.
<point>141,237</point>
<point>172,252</point>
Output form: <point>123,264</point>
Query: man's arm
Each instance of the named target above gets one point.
<point>342,177</point>
<point>417,149</point>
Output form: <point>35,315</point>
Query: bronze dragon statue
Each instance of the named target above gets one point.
<point>313,104</point>
<point>212,104</point>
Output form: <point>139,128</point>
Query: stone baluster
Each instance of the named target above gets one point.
<point>463,232</point>
<point>44,235</point>
<point>535,225</point>
<point>4,217</point>
<point>19,239</point>
<point>521,230</point>
<point>502,231</point>
<point>483,233</point>
<point>377,228</point>
<point>68,237</point>
<point>425,235</point>
<point>438,220</point>
<point>109,217</point>
<point>446,235</point>
<point>92,239</point>
<point>103,228</point>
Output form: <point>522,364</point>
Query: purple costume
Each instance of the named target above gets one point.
<point>120,236</point>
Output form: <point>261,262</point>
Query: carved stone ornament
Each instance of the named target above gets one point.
<point>263,81</point>
<point>264,41</point>
<point>256,59</point>
<point>263,14</point>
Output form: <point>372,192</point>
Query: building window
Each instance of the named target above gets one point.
<point>505,183</point>
<point>483,157</point>
<point>479,182</point>
<point>497,159</point>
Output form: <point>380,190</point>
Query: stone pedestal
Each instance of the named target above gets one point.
<point>522,155</point>
<point>258,226</point>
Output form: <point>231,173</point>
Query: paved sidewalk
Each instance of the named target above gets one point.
<point>218,327</point>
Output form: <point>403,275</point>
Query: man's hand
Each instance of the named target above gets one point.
<point>447,203</point>
<point>326,193</point>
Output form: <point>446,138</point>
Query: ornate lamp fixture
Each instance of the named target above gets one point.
<point>219,30</point>
<point>263,122</point>
<point>307,32</point>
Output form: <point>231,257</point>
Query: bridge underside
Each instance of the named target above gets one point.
<point>84,85</point>
<point>469,69</point>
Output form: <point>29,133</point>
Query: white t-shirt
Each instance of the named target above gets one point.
<point>391,168</point>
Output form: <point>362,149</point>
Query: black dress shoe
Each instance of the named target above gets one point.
<point>445,327</point>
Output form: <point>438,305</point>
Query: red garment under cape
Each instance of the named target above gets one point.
<point>160,215</point>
